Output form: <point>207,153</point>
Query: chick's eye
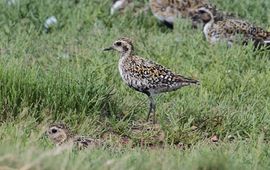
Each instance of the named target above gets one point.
<point>118,43</point>
<point>201,12</point>
<point>54,130</point>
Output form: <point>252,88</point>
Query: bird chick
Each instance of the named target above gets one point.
<point>60,134</point>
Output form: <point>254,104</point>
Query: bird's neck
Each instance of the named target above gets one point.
<point>62,141</point>
<point>126,54</point>
<point>207,26</point>
<point>69,136</point>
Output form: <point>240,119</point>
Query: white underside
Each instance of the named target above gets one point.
<point>212,38</point>
<point>116,6</point>
<point>170,19</point>
<point>167,19</point>
<point>159,17</point>
<point>206,29</point>
<point>164,15</point>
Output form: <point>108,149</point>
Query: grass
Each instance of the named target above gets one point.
<point>64,76</point>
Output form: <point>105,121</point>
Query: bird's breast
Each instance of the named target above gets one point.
<point>130,76</point>
<point>123,68</point>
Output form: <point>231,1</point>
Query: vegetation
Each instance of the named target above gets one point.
<point>63,75</point>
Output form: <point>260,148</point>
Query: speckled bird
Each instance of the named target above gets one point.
<point>167,11</point>
<point>60,134</point>
<point>217,14</point>
<point>118,5</point>
<point>146,76</point>
<point>231,30</point>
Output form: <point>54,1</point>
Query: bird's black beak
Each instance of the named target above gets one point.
<point>108,49</point>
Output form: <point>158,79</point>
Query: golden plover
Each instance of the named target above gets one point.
<point>60,134</point>
<point>229,30</point>
<point>118,5</point>
<point>217,14</point>
<point>167,11</point>
<point>146,76</point>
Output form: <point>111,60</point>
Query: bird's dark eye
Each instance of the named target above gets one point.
<point>118,43</point>
<point>201,12</point>
<point>54,130</point>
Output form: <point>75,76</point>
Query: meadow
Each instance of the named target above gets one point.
<point>64,76</point>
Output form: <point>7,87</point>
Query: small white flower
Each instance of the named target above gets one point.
<point>177,39</point>
<point>11,2</point>
<point>228,71</point>
<point>63,56</point>
<point>50,22</point>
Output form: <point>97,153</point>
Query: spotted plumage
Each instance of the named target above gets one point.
<point>118,5</point>
<point>218,15</point>
<point>144,75</point>
<point>168,10</point>
<point>60,134</point>
<point>231,30</point>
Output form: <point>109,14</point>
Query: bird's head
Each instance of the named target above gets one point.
<point>58,133</point>
<point>204,14</point>
<point>122,45</point>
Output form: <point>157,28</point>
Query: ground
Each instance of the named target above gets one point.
<point>62,75</point>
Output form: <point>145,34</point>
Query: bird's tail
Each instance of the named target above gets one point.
<point>262,42</point>
<point>190,81</point>
<point>196,82</point>
<point>267,40</point>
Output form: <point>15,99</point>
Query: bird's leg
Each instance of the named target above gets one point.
<point>152,109</point>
